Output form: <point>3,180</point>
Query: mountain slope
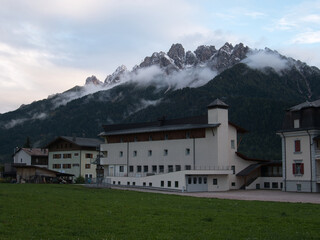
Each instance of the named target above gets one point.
<point>257,102</point>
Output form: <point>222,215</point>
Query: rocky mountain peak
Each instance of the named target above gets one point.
<point>177,53</point>
<point>93,80</point>
<point>204,53</point>
<point>115,77</point>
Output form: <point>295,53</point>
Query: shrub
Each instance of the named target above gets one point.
<point>80,180</point>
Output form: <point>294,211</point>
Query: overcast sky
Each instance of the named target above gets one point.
<point>49,46</point>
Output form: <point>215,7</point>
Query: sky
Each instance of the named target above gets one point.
<point>48,47</point>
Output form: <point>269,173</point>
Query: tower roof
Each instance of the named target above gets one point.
<point>218,104</point>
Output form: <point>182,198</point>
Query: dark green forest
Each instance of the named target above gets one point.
<point>257,102</point>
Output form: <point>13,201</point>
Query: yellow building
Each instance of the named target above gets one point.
<point>74,155</point>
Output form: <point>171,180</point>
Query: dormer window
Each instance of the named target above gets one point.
<point>296,123</point>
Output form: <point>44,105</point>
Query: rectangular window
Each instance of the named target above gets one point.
<point>139,168</point>
<point>66,166</point>
<point>121,169</point>
<point>274,185</point>
<point>56,156</point>
<point>161,168</point>
<point>176,184</point>
<point>76,154</point>
<point>189,180</point>
<point>205,180</point>
<point>188,167</point>
<point>170,168</point>
<point>194,180</point>
<point>266,185</point>
<point>166,137</point>
<point>150,153</point>
<point>121,154</point>
<point>88,165</point>
<point>56,166</point>
<point>75,165</point>
<point>90,175</point>
<point>154,168</point>
<point>298,187</point>
<point>114,182</point>
<point>296,123</point>
<point>150,184</point>
<point>150,138</point>
<point>133,183</point>
<point>187,151</point>
<point>130,168</point>
<point>233,145</point>
<point>67,155</point>
<point>178,168</point>
<point>200,180</point>
<point>169,183</point>
<point>144,184</point>
<point>298,168</point>
<point>119,182</point>
<point>89,155</point>
<point>297,146</point>
<point>233,184</point>
<point>162,184</point>
<point>215,181</point>
<point>135,153</point>
<point>187,135</point>
<point>128,183</point>
<point>165,152</point>
<point>233,168</point>
<point>145,168</point>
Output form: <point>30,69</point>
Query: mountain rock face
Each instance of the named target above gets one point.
<point>116,76</point>
<point>93,80</point>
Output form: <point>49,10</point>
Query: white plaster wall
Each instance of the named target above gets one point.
<point>222,183</point>
<point>22,155</point>
<point>262,180</point>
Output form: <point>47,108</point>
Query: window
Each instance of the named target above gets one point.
<point>121,140</point>
<point>135,139</point>
<point>114,182</point>
<point>76,154</point>
<point>121,154</point>
<point>66,166</point>
<point>139,168</point>
<point>169,183</point>
<point>165,152</point>
<point>274,185</point>
<point>166,137</point>
<point>88,165</point>
<point>194,180</point>
<point>200,180</point>
<point>89,155</point>
<point>297,146</point>
<point>233,184</point>
<point>119,182</point>
<point>205,180</point>
<point>145,168</point>
<point>128,183</point>
<point>296,123</point>
<point>188,135</point>
<point>233,146</point>
<point>178,168</point>
<point>56,156</point>
<point>161,168</point>
<point>162,184</point>
<point>135,153</point>
<point>154,168</point>
<point>56,166</point>
<point>121,168</point>
<point>189,180</point>
<point>188,167</point>
<point>170,168</point>
<point>150,184</point>
<point>187,151</point>
<point>298,168</point>
<point>144,184</point>
<point>266,185</point>
<point>298,187</point>
<point>90,175</point>
<point>76,165</point>
<point>215,181</point>
<point>133,183</point>
<point>233,168</point>
<point>150,153</point>
<point>130,168</point>
<point>150,138</point>
<point>176,184</point>
<point>67,155</point>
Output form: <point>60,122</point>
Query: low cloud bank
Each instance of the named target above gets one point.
<point>262,59</point>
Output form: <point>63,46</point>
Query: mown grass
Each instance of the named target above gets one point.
<point>29,211</point>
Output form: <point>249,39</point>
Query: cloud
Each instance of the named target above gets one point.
<point>262,59</point>
<point>307,37</point>
<point>14,122</point>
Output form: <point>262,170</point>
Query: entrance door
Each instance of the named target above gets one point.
<point>111,171</point>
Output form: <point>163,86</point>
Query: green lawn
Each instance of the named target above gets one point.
<point>30,211</point>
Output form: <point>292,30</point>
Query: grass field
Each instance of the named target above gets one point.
<point>30,211</point>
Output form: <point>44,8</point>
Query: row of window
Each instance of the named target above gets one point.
<point>135,153</point>
<point>155,168</point>
<point>69,155</point>
<point>65,145</point>
<point>176,183</point>
<point>68,165</point>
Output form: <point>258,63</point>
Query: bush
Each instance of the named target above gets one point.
<point>80,180</point>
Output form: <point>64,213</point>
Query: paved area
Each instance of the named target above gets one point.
<point>251,195</point>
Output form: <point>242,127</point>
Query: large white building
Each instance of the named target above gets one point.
<point>189,154</point>
<point>301,148</point>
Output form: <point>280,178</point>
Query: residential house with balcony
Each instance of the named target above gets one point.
<point>301,148</point>
<point>189,154</point>
<point>74,155</point>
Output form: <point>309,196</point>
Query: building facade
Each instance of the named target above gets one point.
<point>74,156</point>
<point>301,148</point>
<point>31,156</point>
<point>190,154</point>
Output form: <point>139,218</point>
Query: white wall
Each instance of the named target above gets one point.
<point>22,157</point>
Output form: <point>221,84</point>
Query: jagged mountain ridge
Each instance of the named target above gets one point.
<point>82,110</point>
